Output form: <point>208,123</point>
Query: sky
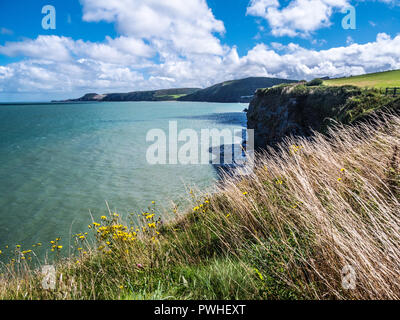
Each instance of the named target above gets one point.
<point>108,46</point>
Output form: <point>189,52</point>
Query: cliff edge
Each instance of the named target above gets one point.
<point>298,109</point>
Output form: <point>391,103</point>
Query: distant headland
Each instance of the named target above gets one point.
<point>229,91</point>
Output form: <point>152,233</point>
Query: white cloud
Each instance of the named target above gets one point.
<point>286,61</point>
<point>298,18</point>
<point>52,48</point>
<point>298,62</point>
<point>301,17</point>
<point>187,26</point>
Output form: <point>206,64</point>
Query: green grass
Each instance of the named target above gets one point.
<point>170,96</point>
<point>372,80</point>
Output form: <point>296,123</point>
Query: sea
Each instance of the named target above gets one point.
<point>62,164</point>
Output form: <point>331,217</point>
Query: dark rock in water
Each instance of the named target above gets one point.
<point>228,157</point>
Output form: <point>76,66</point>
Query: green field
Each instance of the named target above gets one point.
<point>377,80</point>
<point>170,96</point>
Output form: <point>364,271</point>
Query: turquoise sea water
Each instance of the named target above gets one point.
<point>58,161</point>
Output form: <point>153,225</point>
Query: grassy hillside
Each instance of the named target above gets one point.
<point>153,95</point>
<point>233,91</point>
<point>284,231</point>
<point>371,80</point>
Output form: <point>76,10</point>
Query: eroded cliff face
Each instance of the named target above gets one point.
<point>282,111</point>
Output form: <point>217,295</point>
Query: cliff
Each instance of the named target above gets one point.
<point>297,110</point>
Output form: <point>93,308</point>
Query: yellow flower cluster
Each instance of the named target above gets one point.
<point>116,232</point>
<point>25,255</point>
<point>55,245</point>
<point>294,149</point>
<point>202,206</point>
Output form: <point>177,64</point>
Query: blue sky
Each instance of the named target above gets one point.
<point>126,45</point>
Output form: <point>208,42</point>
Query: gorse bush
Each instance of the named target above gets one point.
<point>315,82</point>
<point>285,230</point>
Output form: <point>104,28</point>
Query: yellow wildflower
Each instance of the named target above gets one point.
<point>259,274</point>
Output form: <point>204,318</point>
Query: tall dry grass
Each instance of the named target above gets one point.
<point>322,204</point>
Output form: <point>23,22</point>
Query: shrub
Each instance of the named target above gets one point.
<point>315,82</point>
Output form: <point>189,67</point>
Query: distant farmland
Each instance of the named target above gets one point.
<point>377,80</point>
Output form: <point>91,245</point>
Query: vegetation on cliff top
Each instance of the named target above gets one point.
<point>285,230</point>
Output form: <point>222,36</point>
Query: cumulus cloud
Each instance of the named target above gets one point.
<point>160,40</point>
<point>187,26</point>
<point>299,17</point>
<point>298,62</point>
<point>286,61</point>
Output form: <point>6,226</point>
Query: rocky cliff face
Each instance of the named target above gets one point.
<point>285,110</point>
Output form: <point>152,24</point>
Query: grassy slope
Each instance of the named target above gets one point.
<point>233,91</point>
<point>284,231</point>
<point>375,80</point>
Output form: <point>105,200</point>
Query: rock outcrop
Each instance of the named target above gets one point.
<point>295,110</point>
